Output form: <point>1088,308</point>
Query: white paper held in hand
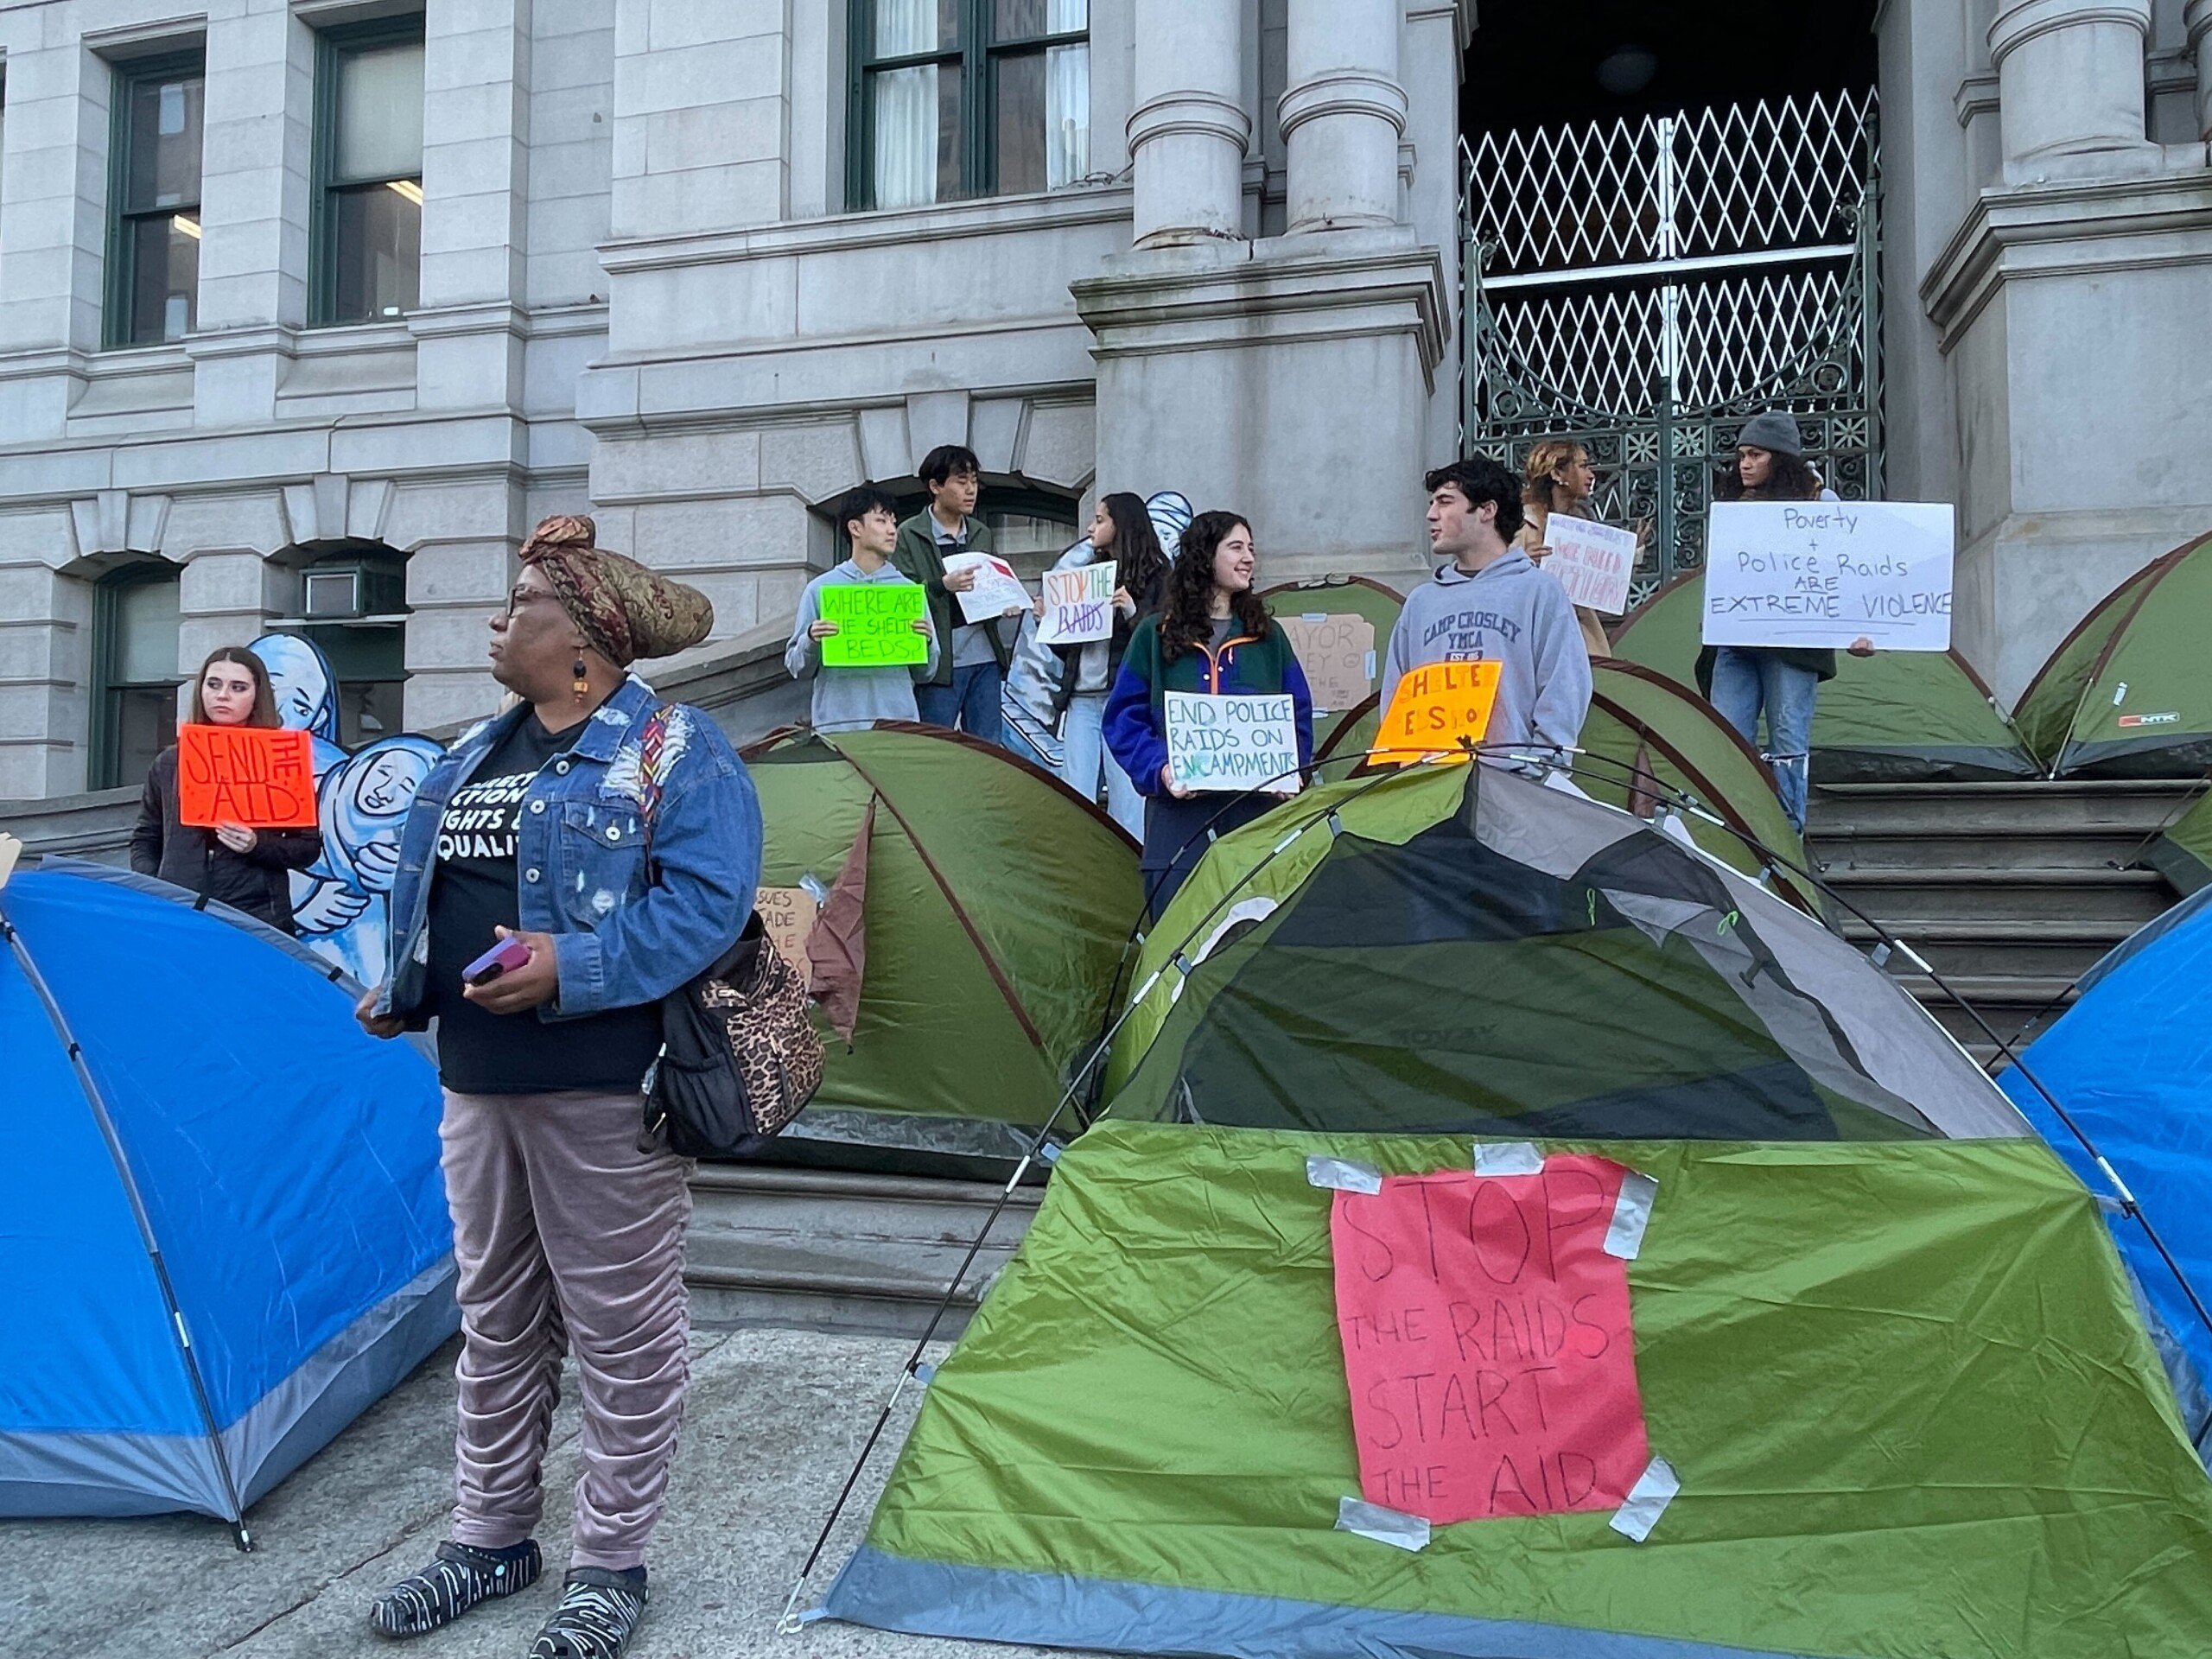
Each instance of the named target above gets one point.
<point>1593,561</point>
<point>1079,605</point>
<point>997,589</point>
<point>1230,744</point>
<point>1828,573</point>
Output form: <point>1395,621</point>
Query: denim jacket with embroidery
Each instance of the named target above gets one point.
<point>619,938</point>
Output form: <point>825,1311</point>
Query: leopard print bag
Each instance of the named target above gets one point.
<point>740,1056</point>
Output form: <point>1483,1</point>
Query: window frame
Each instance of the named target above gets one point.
<point>122,246</point>
<point>978,56</point>
<point>103,757</point>
<point>332,44</point>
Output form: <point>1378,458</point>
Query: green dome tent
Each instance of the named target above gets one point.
<point>1643,730</point>
<point>994,909</point>
<point>2128,693</point>
<point>1877,1334</point>
<point>1585,996</point>
<point>1897,714</point>
<point>2182,852</point>
<point>1340,627</point>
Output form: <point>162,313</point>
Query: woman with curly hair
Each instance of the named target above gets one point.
<point>1213,635</point>
<point>1743,682</point>
<point>1559,477</point>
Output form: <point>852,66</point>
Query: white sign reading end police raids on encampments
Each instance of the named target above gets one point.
<point>1232,743</point>
<point>1829,573</point>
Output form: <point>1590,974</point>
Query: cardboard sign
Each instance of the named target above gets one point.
<point>875,625</point>
<point>1437,709</point>
<point>1488,1344</point>
<point>788,916</point>
<point>1232,744</point>
<point>1079,605</point>
<point>997,589</point>
<point>1594,561</point>
<point>1337,653</point>
<point>262,776</point>
<point>1829,573</point>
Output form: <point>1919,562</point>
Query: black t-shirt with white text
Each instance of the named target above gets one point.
<point>473,891</point>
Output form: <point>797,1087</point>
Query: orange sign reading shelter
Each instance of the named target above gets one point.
<point>262,776</point>
<point>1439,710</point>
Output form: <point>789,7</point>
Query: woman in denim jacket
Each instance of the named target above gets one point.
<point>612,850</point>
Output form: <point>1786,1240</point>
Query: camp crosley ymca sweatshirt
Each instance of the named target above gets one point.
<point>850,699</point>
<point>1520,616</point>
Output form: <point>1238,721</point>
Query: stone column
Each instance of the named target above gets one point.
<point>2197,20</point>
<point>2070,76</point>
<point>1188,132</point>
<point>1343,114</point>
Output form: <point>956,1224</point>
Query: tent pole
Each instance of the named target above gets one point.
<point>178,1327</point>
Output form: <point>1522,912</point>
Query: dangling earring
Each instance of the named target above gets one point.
<point>583,679</point>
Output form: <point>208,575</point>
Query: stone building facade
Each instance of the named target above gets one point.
<point>696,266</point>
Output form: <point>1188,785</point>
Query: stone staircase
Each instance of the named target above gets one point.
<point>2007,890</point>
<point>834,1249</point>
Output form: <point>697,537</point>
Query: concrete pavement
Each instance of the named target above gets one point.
<point>773,1421</point>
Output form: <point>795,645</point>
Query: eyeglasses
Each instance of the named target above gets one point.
<point>519,596</point>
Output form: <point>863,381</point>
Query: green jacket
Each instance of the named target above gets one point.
<point>918,561</point>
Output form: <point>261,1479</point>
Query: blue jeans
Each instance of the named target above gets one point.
<point>971,703</point>
<point>1746,680</point>
<point>1084,756</point>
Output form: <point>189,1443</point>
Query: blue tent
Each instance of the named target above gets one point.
<point>2132,1064</point>
<point>223,1231</point>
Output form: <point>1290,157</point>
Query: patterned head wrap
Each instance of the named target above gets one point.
<point>624,610</point>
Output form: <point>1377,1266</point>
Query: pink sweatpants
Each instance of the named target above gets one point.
<point>565,1234</point>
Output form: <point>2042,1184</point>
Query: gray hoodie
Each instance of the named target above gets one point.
<point>848,699</point>
<point>1511,610</point>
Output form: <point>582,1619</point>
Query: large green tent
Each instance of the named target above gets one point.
<point>1463,947</point>
<point>1647,743</point>
<point>1880,1335</point>
<point>1899,715</point>
<point>996,912</point>
<point>2128,694</point>
<point>1910,1408</point>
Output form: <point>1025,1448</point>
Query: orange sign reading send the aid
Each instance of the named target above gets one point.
<point>262,776</point>
<point>1487,1342</point>
<point>1436,710</point>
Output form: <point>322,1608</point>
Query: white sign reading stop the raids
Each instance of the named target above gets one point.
<point>1829,573</point>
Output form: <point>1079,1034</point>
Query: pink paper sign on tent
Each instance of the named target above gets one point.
<point>1488,1343</point>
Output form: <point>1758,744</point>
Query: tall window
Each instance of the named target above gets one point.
<point>968,98</point>
<point>154,189</point>
<point>135,618</point>
<point>369,173</point>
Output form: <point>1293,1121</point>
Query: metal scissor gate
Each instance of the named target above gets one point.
<point>1644,284</point>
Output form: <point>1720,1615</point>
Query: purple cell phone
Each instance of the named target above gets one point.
<point>507,953</point>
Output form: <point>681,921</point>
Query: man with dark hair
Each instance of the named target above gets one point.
<point>852,699</point>
<point>963,686</point>
<point>1489,602</point>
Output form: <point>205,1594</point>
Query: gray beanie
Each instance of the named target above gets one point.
<point>1776,431</point>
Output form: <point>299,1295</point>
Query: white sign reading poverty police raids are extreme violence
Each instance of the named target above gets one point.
<point>1829,573</point>
<point>1232,743</point>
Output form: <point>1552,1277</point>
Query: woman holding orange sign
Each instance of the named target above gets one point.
<point>250,870</point>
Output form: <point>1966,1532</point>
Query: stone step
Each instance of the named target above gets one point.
<point>2046,950</point>
<point>2138,806</point>
<point>2015,1007</point>
<point>1934,846</point>
<point>1909,898</point>
<point>836,1250</point>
